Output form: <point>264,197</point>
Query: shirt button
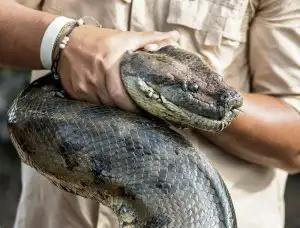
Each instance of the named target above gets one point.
<point>127,1</point>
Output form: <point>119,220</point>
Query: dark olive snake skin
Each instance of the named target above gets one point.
<point>133,163</point>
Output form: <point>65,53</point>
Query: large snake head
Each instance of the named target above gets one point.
<point>178,86</point>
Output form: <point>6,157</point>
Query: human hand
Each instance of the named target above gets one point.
<point>89,65</point>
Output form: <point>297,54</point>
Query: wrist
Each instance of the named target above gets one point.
<point>59,39</point>
<point>50,39</point>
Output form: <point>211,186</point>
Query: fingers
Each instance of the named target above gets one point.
<point>102,95</point>
<point>159,45</point>
<point>98,80</point>
<point>97,84</point>
<point>134,41</point>
<point>141,39</point>
<point>117,91</point>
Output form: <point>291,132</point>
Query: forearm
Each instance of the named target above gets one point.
<point>267,133</point>
<point>21,32</point>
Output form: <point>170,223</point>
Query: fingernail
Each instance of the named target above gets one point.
<point>151,47</point>
<point>174,33</point>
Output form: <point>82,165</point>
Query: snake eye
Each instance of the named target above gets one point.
<point>194,87</point>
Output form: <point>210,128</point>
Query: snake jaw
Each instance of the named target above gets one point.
<point>158,105</point>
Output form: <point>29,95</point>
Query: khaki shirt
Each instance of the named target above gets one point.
<point>254,44</point>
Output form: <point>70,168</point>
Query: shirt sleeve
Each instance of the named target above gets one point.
<point>274,50</point>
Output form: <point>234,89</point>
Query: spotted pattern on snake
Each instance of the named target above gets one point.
<point>134,163</point>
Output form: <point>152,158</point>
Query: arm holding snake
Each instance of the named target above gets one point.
<point>97,53</point>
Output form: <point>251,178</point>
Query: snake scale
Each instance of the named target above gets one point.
<point>134,163</point>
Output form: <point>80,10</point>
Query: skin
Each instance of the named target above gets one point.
<point>265,133</point>
<point>96,51</point>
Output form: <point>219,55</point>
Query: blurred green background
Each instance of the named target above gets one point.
<point>11,83</point>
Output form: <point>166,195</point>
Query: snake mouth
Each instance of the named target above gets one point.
<point>185,118</point>
<point>215,110</point>
<point>215,123</point>
<point>206,123</point>
<point>216,107</point>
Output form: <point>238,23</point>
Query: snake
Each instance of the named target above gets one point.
<point>135,163</point>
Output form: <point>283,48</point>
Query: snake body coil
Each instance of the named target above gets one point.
<point>148,174</point>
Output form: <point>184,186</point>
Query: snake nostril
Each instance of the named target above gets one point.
<point>224,97</point>
<point>230,100</point>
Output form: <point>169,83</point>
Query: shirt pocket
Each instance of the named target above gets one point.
<point>212,21</point>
